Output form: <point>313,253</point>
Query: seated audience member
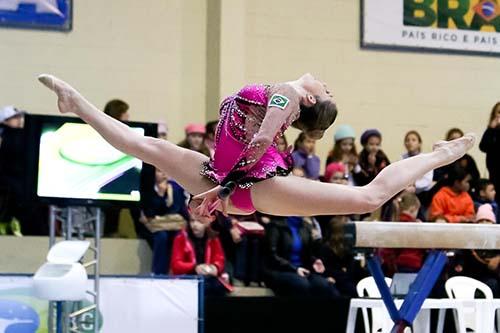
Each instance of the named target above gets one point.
<point>164,212</point>
<point>290,268</point>
<point>117,109</point>
<point>162,130</point>
<point>485,194</point>
<point>452,203</point>
<point>466,161</point>
<point>195,139</point>
<point>304,157</point>
<point>404,260</point>
<point>336,173</point>
<point>282,144</point>
<point>197,251</point>
<point>371,159</point>
<point>15,210</point>
<point>482,265</point>
<point>344,151</point>
<point>340,267</point>
<point>413,145</point>
<point>211,128</point>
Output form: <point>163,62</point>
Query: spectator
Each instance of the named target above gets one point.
<point>282,144</point>
<point>197,252</point>
<point>290,267</point>
<point>336,173</point>
<point>195,139</point>
<point>13,211</point>
<point>480,265</point>
<point>10,117</point>
<point>404,260</point>
<point>340,266</point>
<point>304,157</point>
<point>485,194</point>
<point>344,150</point>
<point>413,145</point>
<point>13,193</point>
<point>162,130</point>
<point>452,203</point>
<point>117,109</point>
<point>466,161</point>
<point>371,159</point>
<point>164,212</point>
<point>211,128</point>
<point>490,144</point>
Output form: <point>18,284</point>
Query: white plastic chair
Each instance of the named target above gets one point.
<point>381,321</point>
<point>464,288</point>
<point>62,277</point>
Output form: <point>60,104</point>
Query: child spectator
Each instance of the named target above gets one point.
<point>195,251</point>
<point>162,130</point>
<point>344,150</point>
<point>336,173</point>
<point>404,260</point>
<point>452,203</point>
<point>304,157</point>
<point>164,212</point>
<point>371,159</point>
<point>211,128</point>
<point>340,266</point>
<point>290,267</point>
<point>466,161</point>
<point>485,194</point>
<point>413,145</point>
<point>490,144</point>
<point>282,144</point>
<point>195,139</point>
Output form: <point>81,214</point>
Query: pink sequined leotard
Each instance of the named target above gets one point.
<point>246,139</point>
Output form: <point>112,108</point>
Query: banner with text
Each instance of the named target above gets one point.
<point>445,25</point>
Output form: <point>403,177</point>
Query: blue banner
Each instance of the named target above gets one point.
<point>36,14</point>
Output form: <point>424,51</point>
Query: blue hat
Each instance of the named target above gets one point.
<point>344,132</point>
<point>368,134</point>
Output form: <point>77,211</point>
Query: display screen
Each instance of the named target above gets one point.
<point>72,163</point>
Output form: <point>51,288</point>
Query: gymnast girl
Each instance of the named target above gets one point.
<point>247,172</point>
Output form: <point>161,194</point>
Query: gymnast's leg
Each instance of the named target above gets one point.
<point>301,197</point>
<point>181,164</point>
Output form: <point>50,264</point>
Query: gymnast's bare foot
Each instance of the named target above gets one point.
<point>456,148</point>
<point>69,100</point>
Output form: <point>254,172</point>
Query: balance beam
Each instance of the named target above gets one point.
<point>422,235</point>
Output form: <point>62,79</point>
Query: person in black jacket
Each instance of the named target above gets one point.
<point>290,267</point>
<point>490,144</point>
<point>340,266</point>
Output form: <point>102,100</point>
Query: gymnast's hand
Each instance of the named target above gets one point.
<point>210,202</point>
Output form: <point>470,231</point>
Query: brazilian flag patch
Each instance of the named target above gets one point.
<point>279,101</point>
